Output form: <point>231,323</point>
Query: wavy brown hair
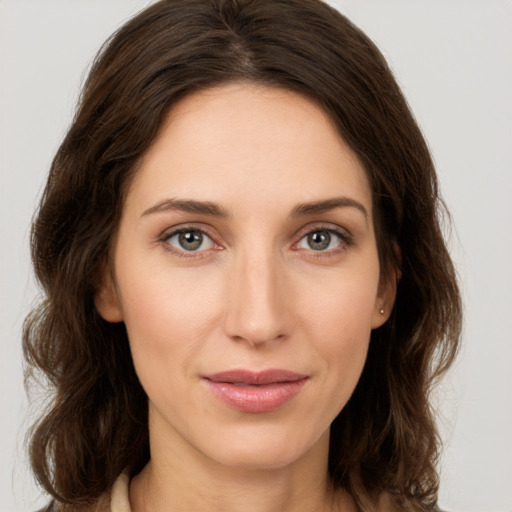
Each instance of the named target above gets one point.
<point>385,439</point>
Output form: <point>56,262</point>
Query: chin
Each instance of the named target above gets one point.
<point>247,459</point>
<point>265,450</point>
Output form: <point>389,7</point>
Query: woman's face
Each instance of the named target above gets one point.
<point>246,272</point>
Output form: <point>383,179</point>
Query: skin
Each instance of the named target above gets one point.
<point>255,295</point>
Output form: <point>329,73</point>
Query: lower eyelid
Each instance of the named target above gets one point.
<point>206,241</point>
<point>344,238</point>
<point>345,241</point>
<point>165,238</point>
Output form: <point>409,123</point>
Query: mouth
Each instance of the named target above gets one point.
<point>256,392</point>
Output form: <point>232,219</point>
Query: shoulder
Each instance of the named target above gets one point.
<point>49,508</point>
<point>386,503</point>
<point>117,500</point>
<point>114,501</point>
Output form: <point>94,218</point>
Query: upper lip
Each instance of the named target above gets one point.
<point>240,376</point>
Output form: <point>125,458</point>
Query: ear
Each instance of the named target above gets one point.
<point>386,296</point>
<point>106,299</point>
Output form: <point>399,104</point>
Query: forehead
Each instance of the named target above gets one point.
<point>265,144</point>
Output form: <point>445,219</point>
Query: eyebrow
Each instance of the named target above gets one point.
<point>188,206</point>
<point>213,209</point>
<point>328,205</point>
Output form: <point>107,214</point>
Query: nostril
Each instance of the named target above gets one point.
<point>258,310</point>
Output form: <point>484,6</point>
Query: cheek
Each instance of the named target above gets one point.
<point>342,336</point>
<point>168,317</point>
<point>339,319</point>
<point>342,304</point>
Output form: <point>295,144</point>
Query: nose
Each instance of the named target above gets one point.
<point>258,308</point>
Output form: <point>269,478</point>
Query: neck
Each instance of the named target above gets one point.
<point>154,490</point>
<point>179,478</point>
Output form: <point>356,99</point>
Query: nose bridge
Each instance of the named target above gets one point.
<point>256,310</point>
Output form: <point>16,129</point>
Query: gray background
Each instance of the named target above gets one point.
<point>454,62</point>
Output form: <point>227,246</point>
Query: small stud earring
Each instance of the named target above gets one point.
<point>381,311</point>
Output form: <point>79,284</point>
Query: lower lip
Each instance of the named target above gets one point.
<point>262,398</point>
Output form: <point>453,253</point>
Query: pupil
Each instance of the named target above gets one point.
<point>319,240</point>
<point>191,240</point>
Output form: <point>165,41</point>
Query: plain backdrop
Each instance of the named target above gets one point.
<point>454,62</point>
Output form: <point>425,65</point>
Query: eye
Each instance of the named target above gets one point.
<point>189,240</point>
<point>321,240</point>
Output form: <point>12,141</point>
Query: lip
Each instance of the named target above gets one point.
<point>256,392</point>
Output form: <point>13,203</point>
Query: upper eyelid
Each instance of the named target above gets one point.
<point>169,232</point>
<point>344,233</point>
<point>345,236</point>
<point>326,226</point>
<point>305,229</point>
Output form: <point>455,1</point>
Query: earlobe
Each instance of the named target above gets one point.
<point>107,301</point>
<point>385,299</point>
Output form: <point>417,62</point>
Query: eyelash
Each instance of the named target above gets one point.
<point>346,241</point>
<point>166,236</point>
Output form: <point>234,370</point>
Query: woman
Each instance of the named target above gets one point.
<point>248,296</point>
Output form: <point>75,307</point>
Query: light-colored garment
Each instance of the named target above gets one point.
<point>119,496</point>
<point>118,500</point>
